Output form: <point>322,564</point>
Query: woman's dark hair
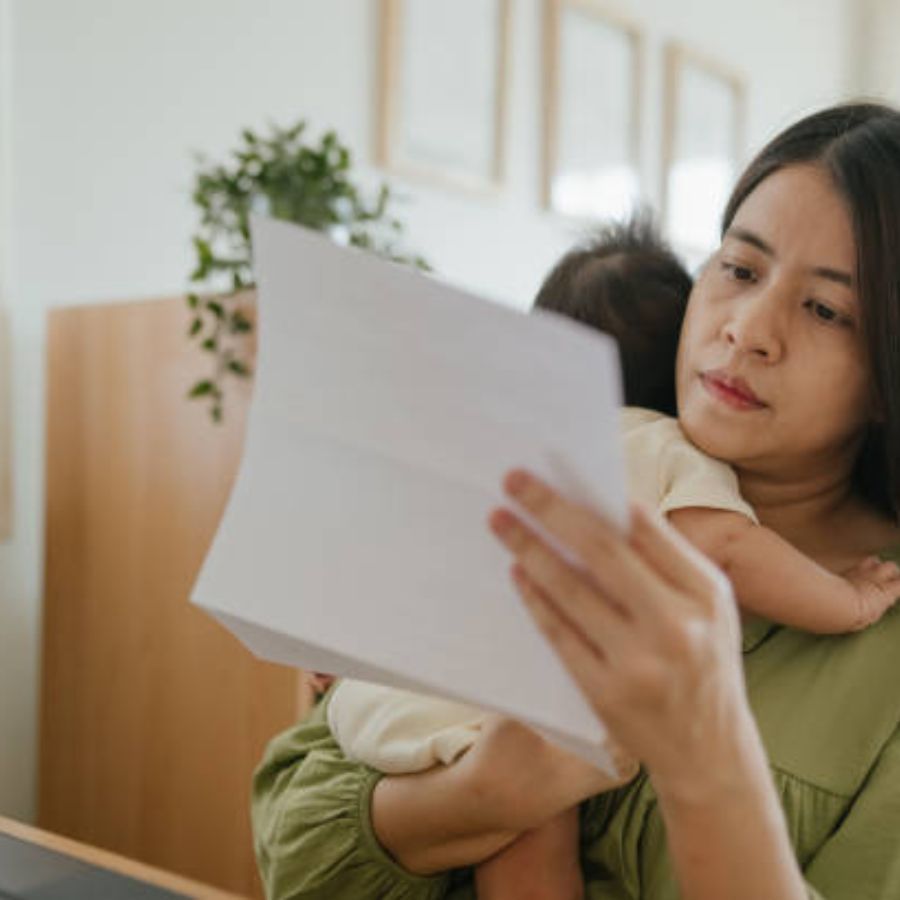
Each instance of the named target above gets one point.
<point>625,281</point>
<point>858,145</point>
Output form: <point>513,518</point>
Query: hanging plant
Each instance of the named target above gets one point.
<point>282,176</point>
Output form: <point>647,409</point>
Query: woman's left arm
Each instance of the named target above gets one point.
<point>649,630</point>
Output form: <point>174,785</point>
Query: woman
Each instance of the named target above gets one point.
<point>787,786</point>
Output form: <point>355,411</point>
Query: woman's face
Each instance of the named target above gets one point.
<point>771,373</point>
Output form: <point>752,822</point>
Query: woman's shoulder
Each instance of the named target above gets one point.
<point>820,699</point>
<point>821,703</point>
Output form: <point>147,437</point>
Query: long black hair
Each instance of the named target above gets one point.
<point>858,145</point>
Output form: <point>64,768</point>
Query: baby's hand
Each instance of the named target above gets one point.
<point>876,585</point>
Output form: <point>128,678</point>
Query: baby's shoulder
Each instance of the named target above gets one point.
<point>646,431</point>
<point>633,418</point>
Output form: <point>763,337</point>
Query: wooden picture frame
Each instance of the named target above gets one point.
<point>6,499</point>
<point>703,140</point>
<point>593,74</point>
<point>443,87</point>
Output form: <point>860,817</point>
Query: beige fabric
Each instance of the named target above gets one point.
<point>666,471</point>
<point>398,731</point>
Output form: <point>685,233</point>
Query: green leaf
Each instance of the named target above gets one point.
<point>298,178</point>
<point>236,367</point>
<point>240,324</point>
<point>201,389</point>
<point>204,251</point>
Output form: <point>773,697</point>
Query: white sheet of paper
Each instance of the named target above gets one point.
<point>386,409</point>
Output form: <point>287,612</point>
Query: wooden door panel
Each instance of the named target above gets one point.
<point>153,716</point>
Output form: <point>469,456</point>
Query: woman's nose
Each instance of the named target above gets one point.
<point>755,326</point>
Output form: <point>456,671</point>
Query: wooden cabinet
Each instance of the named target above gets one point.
<point>153,716</point>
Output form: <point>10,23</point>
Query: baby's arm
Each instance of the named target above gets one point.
<point>774,580</point>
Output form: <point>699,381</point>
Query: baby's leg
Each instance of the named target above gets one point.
<point>541,864</point>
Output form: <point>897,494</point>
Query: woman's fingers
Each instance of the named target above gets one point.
<point>574,525</point>
<point>618,569</point>
<point>573,594</point>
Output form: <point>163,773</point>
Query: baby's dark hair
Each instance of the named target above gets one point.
<point>625,280</point>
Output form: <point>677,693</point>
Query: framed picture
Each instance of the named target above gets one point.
<point>443,88</point>
<point>5,429</point>
<point>702,146</point>
<point>592,110</point>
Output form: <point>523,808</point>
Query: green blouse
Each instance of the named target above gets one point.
<point>828,709</point>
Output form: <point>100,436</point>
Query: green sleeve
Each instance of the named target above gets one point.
<point>861,859</point>
<point>312,828</point>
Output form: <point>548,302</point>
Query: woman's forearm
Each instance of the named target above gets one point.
<point>437,820</point>
<point>510,781</point>
<point>728,839</point>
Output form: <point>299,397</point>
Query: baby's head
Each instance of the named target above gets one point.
<point>625,281</point>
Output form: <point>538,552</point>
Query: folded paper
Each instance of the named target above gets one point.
<point>387,408</point>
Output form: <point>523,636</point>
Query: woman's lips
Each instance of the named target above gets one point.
<point>731,391</point>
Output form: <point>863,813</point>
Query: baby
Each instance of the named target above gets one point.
<point>628,284</point>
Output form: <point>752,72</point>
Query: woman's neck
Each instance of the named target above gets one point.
<point>820,514</point>
<point>795,506</point>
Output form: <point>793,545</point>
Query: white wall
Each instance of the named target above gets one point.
<point>880,64</point>
<point>108,98</point>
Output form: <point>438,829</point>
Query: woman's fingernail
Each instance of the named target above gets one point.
<point>501,521</point>
<point>516,482</point>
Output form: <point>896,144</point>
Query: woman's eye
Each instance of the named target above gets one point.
<point>826,314</point>
<point>738,272</point>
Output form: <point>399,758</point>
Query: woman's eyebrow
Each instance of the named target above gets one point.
<point>750,237</point>
<point>844,278</point>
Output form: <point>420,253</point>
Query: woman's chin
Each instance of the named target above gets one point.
<point>718,431</point>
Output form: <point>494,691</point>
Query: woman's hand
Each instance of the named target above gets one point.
<point>648,628</point>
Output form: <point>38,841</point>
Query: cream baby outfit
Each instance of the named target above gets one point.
<point>398,731</point>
